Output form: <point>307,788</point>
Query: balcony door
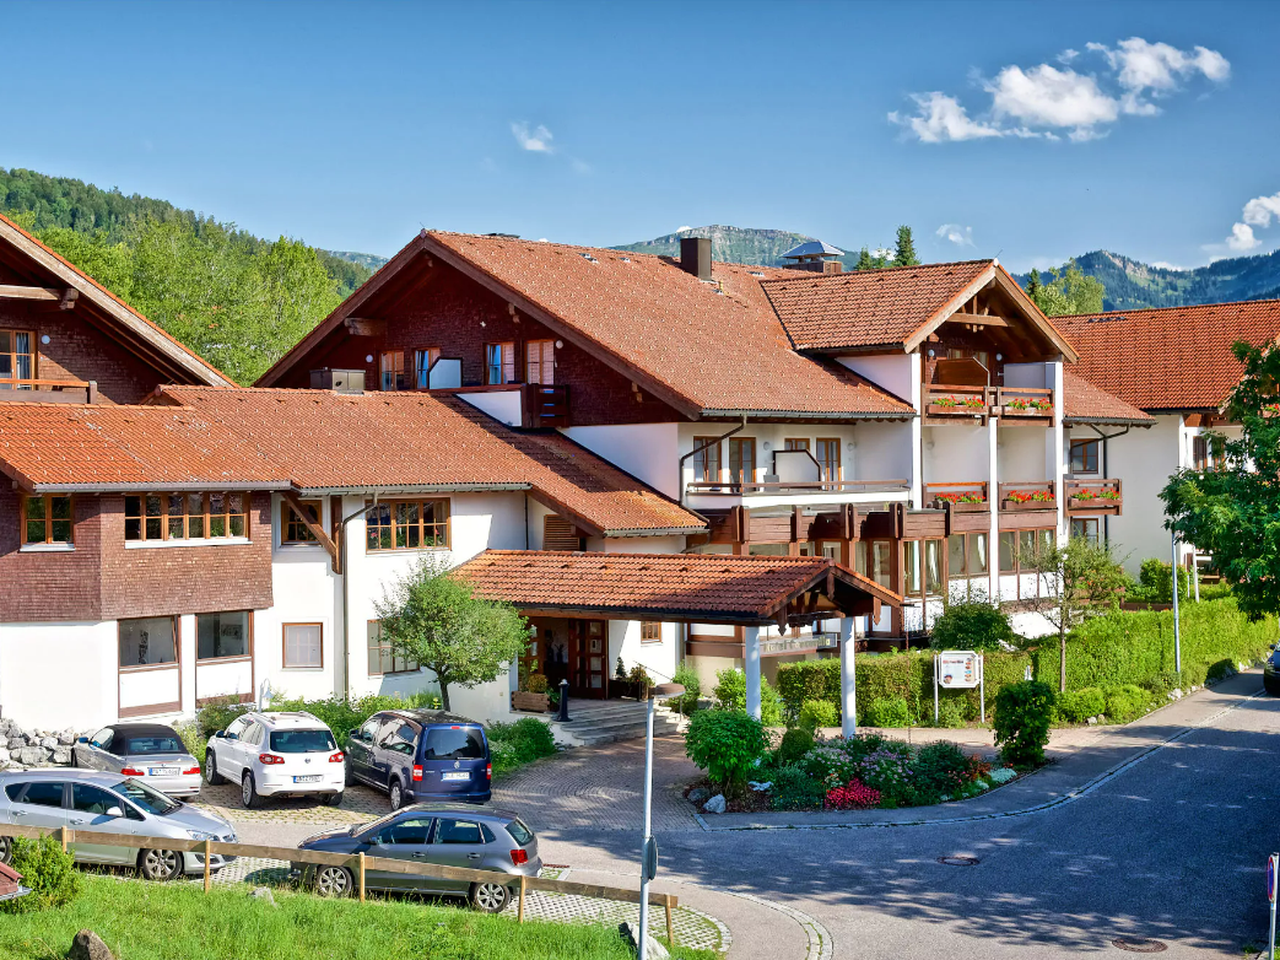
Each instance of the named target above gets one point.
<point>589,659</point>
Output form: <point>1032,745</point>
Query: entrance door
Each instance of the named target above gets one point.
<point>589,653</point>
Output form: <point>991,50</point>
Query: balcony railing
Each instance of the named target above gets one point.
<point>48,391</point>
<point>1028,495</point>
<point>1023,403</point>
<point>738,489</point>
<point>954,402</point>
<point>1093,497</point>
<point>964,497</point>
<point>546,405</point>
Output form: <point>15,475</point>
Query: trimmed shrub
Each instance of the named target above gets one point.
<point>794,789</point>
<point>795,744</point>
<point>951,713</point>
<point>725,743</point>
<point>855,795</point>
<point>816,714</point>
<point>339,714</point>
<point>888,712</point>
<point>1077,706</point>
<point>941,769</point>
<point>514,744</point>
<point>1127,703</point>
<point>1023,714</point>
<point>47,871</point>
<point>731,694</point>
<point>971,625</point>
<point>688,678</point>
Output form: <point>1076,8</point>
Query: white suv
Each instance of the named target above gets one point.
<point>276,753</point>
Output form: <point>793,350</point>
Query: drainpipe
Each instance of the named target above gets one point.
<point>710,443</point>
<point>346,596</point>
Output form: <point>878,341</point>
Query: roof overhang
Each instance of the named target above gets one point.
<point>1106,422</point>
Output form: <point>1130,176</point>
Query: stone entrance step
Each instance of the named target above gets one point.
<point>606,721</point>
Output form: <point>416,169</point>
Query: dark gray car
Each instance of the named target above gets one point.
<point>447,834</point>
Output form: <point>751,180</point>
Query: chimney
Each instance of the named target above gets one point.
<point>695,256</point>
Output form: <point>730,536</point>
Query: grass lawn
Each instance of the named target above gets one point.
<point>150,921</point>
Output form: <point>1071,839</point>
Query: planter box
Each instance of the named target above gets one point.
<point>1008,411</point>
<point>1029,505</point>
<point>982,507</point>
<point>937,410</point>
<point>533,702</point>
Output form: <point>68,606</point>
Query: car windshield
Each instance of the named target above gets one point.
<point>519,832</point>
<point>302,741</point>
<point>454,743</point>
<point>152,801</point>
<point>142,746</point>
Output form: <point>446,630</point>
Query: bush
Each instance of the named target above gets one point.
<point>47,871</point>
<point>794,789</point>
<point>512,745</point>
<point>815,714</point>
<point>338,713</point>
<point>537,683</point>
<point>940,769</point>
<point>1155,582</point>
<point>971,625</point>
<point>795,744</point>
<point>1127,703</point>
<point>731,694</point>
<point>725,743</point>
<point>688,678</point>
<point>1022,717</point>
<point>217,715</point>
<point>1077,706</point>
<point>951,713</point>
<point>888,712</point>
<point>855,795</point>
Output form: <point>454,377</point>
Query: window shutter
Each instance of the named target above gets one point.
<point>559,534</point>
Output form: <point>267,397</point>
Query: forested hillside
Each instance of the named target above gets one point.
<point>236,299</point>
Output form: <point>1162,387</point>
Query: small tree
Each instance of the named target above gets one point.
<point>865,262</point>
<point>972,625</point>
<point>904,249</point>
<point>1084,581</point>
<point>433,617</point>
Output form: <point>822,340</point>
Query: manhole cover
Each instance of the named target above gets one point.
<point>1140,945</point>
<point>958,861</point>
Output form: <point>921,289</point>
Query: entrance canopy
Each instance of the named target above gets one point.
<point>680,587</point>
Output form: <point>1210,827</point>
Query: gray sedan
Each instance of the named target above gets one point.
<point>105,803</point>
<point>151,752</point>
<point>448,834</point>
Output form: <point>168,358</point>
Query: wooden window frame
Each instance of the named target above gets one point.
<point>1096,539</point>
<point>166,517</point>
<point>446,524</point>
<point>967,538</point>
<point>166,665</point>
<point>48,520</point>
<point>392,362</point>
<point>740,444</point>
<point>13,381</point>
<point>506,363</point>
<point>829,475</point>
<point>289,519</point>
<point>421,374</point>
<point>905,551</point>
<point>541,362</point>
<point>650,631</point>
<point>235,658</point>
<point>1084,445</point>
<point>369,647</point>
<point>795,443</point>
<point>284,646</point>
<point>707,460</point>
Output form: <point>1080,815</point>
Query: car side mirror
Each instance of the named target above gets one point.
<point>82,740</point>
<point>115,812</point>
<point>353,734</point>
<point>219,733</point>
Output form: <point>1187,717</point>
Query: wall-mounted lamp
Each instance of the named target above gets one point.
<point>768,445</point>
<point>45,338</point>
<point>999,356</point>
<point>931,353</point>
<point>559,344</point>
<point>928,444</point>
<point>851,445</point>
<point>368,358</point>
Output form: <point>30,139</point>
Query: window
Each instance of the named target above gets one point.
<point>186,516</point>
<point>923,567</point>
<point>454,743</point>
<point>794,443</point>
<point>148,641</point>
<point>292,529</point>
<point>742,459</point>
<point>560,534</point>
<point>1084,456</point>
<point>302,645</point>
<point>301,741</point>
<point>1019,552</point>
<point>399,737</point>
<point>500,363</point>
<point>422,361</point>
<point>47,519</point>
<point>44,793</point>
<point>458,831</point>
<point>221,635</point>
<point>871,559</point>
<point>391,370</point>
<point>1085,527</point>
<point>650,631</point>
<point>409,831</point>
<point>967,555</point>
<point>829,458</point>
<point>540,362</point>
<point>382,658</point>
<point>408,525</point>
<point>706,461</point>
<point>86,798</point>
<point>1201,453</point>
<point>17,361</point>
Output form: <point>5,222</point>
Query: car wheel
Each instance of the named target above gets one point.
<point>396,795</point>
<point>333,882</point>
<point>211,774</point>
<point>333,799</point>
<point>159,864</point>
<point>6,849</point>
<point>249,798</point>
<point>489,897</point>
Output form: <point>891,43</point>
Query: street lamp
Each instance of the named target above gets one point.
<point>649,848</point>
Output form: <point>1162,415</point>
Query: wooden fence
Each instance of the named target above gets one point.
<point>357,863</point>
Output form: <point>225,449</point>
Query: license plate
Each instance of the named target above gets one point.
<point>164,771</point>
<point>455,776</point>
<point>312,778</point>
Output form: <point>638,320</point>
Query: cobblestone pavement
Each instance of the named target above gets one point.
<point>358,805</point>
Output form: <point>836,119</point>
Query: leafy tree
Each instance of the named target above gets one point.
<point>904,249</point>
<point>1233,511</point>
<point>433,617</point>
<point>1068,291</point>
<point>1083,580</point>
<point>1034,286</point>
<point>1023,714</point>
<point>971,625</point>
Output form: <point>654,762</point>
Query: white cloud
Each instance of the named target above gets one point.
<point>537,140</point>
<point>1242,238</point>
<point>1165,265</point>
<point>1048,102</point>
<point>1259,211</point>
<point>954,233</point>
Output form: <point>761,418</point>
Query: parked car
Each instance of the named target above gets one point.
<point>1271,673</point>
<point>151,752</point>
<point>275,753</point>
<point>417,755</point>
<point>107,803</point>
<point>447,834</point>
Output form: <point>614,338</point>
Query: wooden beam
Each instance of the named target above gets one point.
<point>979,319</point>
<point>317,531</point>
<point>69,298</point>
<point>366,328</point>
<point>10,291</point>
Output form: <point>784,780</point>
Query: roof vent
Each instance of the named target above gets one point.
<point>339,381</point>
<point>695,256</point>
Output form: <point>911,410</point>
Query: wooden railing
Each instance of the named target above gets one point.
<point>1022,495</point>
<point>943,400</point>
<point>735,488</point>
<point>546,405</point>
<point>1093,496</point>
<point>358,864</point>
<point>935,494</point>
<point>1033,403</point>
<point>48,391</point>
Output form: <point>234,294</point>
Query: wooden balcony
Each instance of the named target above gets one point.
<point>16,389</point>
<point>546,405</point>
<point>1093,498</point>
<point>1028,496</point>
<point>752,488</point>
<point>964,497</point>
<point>944,403</point>
<point>1030,404</point>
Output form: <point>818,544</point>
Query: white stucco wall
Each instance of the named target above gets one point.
<point>893,372</point>
<point>1144,460</point>
<point>644,450</point>
<point>504,405</point>
<point>955,453</point>
<point>883,450</point>
<point>55,675</point>
<point>1021,453</point>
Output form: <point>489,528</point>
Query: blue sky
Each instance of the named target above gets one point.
<point>1031,131</point>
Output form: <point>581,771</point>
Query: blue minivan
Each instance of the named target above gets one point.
<point>419,755</point>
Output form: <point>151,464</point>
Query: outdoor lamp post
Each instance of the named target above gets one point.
<point>649,849</point>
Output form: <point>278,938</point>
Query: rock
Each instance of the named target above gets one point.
<point>698,794</point>
<point>87,945</point>
<point>760,787</point>
<point>17,742</point>
<point>653,949</point>
<point>263,894</point>
<point>62,755</point>
<point>66,738</point>
<point>715,805</point>
<point>32,756</point>
<point>1092,721</point>
<point>4,756</point>
<point>49,743</point>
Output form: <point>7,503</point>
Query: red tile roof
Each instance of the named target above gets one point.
<point>698,587</point>
<point>1176,358</point>
<point>1082,402</point>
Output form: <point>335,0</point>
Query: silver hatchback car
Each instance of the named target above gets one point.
<point>108,803</point>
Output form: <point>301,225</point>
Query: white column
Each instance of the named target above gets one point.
<point>993,501</point>
<point>1055,455</point>
<point>848,677</point>
<point>917,464</point>
<point>751,662</point>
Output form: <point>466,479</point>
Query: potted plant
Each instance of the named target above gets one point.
<point>971,502</point>
<point>1029,406</point>
<point>1030,500</point>
<point>967,404</point>
<point>532,694</point>
<point>643,683</point>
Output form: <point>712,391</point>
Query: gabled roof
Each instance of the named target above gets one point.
<point>1083,403</point>
<point>703,588</point>
<point>892,308</point>
<point>707,348</point>
<point>131,323</point>
<point>1174,358</point>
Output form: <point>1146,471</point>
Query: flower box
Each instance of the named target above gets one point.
<point>1030,500</point>
<point>960,505</point>
<point>1027,408</point>
<point>957,407</point>
<point>532,702</point>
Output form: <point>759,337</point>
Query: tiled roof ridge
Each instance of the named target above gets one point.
<point>847,274</point>
<point>696,557</point>
<point>1265,301</point>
